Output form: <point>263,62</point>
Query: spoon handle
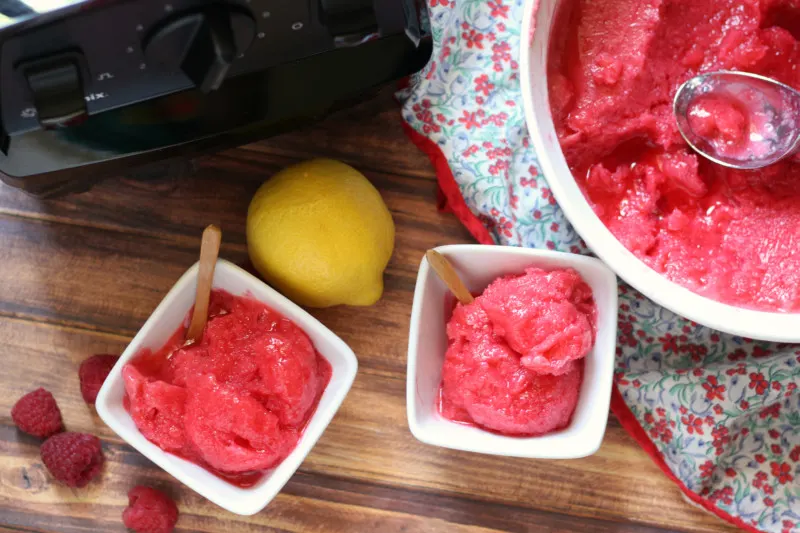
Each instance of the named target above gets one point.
<point>444,269</point>
<point>209,251</point>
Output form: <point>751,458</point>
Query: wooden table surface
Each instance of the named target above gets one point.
<point>79,275</point>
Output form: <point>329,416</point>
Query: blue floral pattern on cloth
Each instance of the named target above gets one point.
<point>722,412</point>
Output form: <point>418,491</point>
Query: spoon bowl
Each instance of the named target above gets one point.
<point>738,119</point>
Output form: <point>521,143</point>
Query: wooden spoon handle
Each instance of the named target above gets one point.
<point>209,251</point>
<point>448,274</point>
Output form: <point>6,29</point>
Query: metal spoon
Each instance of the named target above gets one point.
<point>769,112</point>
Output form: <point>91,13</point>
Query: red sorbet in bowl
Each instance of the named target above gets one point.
<point>514,363</point>
<point>237,401</point>
<point>613,69</point>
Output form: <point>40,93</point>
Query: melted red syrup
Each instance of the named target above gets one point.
<point>243,480</point>
<point>154,365</point>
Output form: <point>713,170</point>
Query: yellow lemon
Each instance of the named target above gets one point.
<point>320,233</point>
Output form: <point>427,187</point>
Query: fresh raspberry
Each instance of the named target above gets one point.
<point>149,511</point>
<point>73,458</point>
<point>93,372</point>
<point>37,414</point>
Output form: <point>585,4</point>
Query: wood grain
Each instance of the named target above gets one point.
<point>369,136</point>
<point>81,274</point>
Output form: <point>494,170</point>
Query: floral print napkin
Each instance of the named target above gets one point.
<point>719,414</point>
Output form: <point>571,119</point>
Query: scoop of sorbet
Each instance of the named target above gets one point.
<point>512,364</point>
<point>545,317</point>
<point>233,431</point>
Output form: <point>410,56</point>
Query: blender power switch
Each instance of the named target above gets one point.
<point>57,90</point>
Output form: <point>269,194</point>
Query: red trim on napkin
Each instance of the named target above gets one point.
<point>632,426</point>
<point>448,186</point>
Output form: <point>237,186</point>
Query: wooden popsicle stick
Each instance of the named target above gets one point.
<point>209,251</point>
<point>444,269</point>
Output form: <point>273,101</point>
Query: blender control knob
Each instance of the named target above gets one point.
<point>202,43</point>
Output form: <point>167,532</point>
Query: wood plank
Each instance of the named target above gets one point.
<point>369,135</point>
<point>36,502</point>
<point>364,444</point>
<point>307,502</point>
<point>86,276</point>
<point>174,206</point>
<point>218,192</point>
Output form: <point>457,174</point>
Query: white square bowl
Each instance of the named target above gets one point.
<point>167,317</point>
<point>478,266</point>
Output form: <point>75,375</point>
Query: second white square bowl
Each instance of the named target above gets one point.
<point>478,266</point>
<point>167,317</point>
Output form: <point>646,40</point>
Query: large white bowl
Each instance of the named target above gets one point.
<point>167,317</point>
<point>537,24</point>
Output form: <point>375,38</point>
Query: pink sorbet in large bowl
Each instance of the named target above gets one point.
<point>613,69</point>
